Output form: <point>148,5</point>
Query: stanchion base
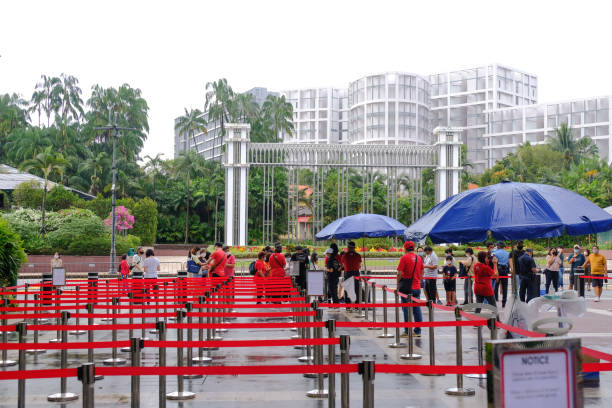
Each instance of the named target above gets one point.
<point>317,394</point>
<point>433,375</point>
<point>221,330</point>
<point>173,318</point>
<point>305,359</point>
<point>126,349</point>
<point>477,376</point>
<point>63,397</point>
<point>55,341</point>
<point>106,319</point>
<point>77,332</point>
<point>299,347</point>
<point>7,363</point>
<point>182,395</point>
<point>461,392</point>
<point>210,348</point>
<point>217,338</point>
<point>192,376</point>
<point>398,345</point>
<point>385,336</point>
<point>293,329</point>
<point>411,356</point>
<point>296,336</point>
<point>314,375</point>
<point>35,351</point>
<point>43,321</point>
<point>202,360</point>
<point>99,377</point>
<point>114,361</point>
<point>374,328</point>
<point>153,331</point>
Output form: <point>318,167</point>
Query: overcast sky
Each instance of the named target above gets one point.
<point>171,49</point>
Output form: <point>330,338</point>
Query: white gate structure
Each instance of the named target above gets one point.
<point>393,160</point>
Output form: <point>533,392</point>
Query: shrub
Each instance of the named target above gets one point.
<point>145,226</point>
<point>58,198</point>
<point>74,229</point>
<point>101,245</point>
<point>28,194</point>
<point>11,254</point>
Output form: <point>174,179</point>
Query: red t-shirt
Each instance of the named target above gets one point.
<point>277,265</point>
<point>406,266</point>
<point>260,266</point>
<point>125,268</point>
<point>219,257</point>
<point>351,261</point>
<point>482,280</point>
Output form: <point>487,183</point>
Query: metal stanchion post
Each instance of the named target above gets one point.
<point>385,334</point>
<point>320,391</point>
<point>76,331</point>
<point>432,341</point>
<point>201,358</point>
<point>58,336</point>
<point>331,359</point>
<point>161,332</point>
<point>374,307</point>
<point>367,371</point>
<point>5,362</point>
<point>357,310</point>
<point>470,289</point>
<point>398,343</point>
<point>189,309</point>
<point>63,396</point>
<point>37,321</point>
<point>128,349</point>
<point>86,374</point>
<point>345,344</point>
<point>410,355</point>
<point>459,390</point>
<point>480,355</point>
<point>90,338</point>
<point>142,319</point>
<point>180,394</point>
<point>156,295</point>
<point>107,319</point>
<point>492,326</point>
<point>307,358</point>
<point>136,345</point>
<point>22,330</point>
<point>366,290</point>
<point>114,360</point>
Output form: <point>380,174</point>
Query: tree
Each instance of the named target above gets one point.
<point>67,94</point>
<point>574,151</point>
<point>280,113</point>
<point>188,164</point>
<point>154,167</point>
<point>45,98</point>
<point>25,143</point>
<point>191,123</point>
<point>244,108</point>
<point>12,116</point>
<point>11,254</point>
<point>219,96</point>
<point>48,164</point>
<point>95,165</point>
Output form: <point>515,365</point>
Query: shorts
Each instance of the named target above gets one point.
<point>597,283</point>
<point>450,285</point>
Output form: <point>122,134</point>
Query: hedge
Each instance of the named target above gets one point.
<point>12,254</point>
<point>145,224</point>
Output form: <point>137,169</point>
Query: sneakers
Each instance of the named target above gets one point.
<point>438,302</point>
<point>597,300</point>
<point>404,335</point>
<point>417,335</point>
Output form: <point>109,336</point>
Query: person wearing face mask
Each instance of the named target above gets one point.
<point>599,269</point>
<point>562,267</point>
<point>431,273</point>
<point>503,269</point>
<point>138,261</point>
<point>449,273</point>
<point>56,262</point>
<point>576,260</point>
<point>468,266</point>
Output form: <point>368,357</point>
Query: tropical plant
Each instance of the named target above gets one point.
<point>191,123</point>
<point>219,96</point>
<point>154,168</point>
<point>11,254</point>
<point>48,164</point>
<point>280,113</point>
<point>186,166</point>
<point>124,220</point>
<point>574,150</point>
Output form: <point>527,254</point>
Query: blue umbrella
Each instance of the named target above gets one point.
<point>510,211</point>
<point>362,226</point>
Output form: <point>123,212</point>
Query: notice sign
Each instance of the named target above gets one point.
<point>315,283</point>
<point>536,379</point>
<point>59,277</point>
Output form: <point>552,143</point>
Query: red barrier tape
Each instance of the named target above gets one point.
<point>596,354</point>
<point>230,370</point>
<point>452,323</point>
<point>517,330</point>
<point>428,369</point>
<point>33,374</point>
<point>244,343</point>
<point>360,305</point>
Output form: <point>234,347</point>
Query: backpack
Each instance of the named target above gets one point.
<point>252,268</point>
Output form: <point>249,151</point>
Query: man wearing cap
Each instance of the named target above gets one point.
<point>503,269</point>
<point>216,263</point>
<point>302,259</point>
<point>576,260</point>
<point>409,274</point>
<point>352,264</point>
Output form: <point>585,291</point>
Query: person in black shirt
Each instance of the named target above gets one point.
<point>527,270</point>
<point>449,273</point>
<point>334,270</point>
<point>515,254</point>
<point>302,259</point>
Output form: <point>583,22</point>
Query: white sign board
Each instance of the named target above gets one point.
<point>315,283</point>
<point>59,277</point>
<point>536,379</point>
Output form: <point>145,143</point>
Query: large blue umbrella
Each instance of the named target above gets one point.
<point>362,226</point>
<point>510,211</point>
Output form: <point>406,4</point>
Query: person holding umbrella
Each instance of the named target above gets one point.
<point>409,275</point>
<point>352,264</point>
<point>334,270</point>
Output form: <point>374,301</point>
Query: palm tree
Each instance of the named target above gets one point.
<point>218,100</point>
<point>186,165</point>
<point>190,124</point>
<point>68,95</point>
<point>244,108</point>
<point>281,114</point>
<point>47,163</point>
<point>96,166</point>
<point>574,151</point>
<point>154,167</point>
<point>26,143</point>
<point>45,97</point>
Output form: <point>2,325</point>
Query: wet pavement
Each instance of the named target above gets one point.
<point>271,391</point>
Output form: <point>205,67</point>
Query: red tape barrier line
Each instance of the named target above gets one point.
<point>428,369</point>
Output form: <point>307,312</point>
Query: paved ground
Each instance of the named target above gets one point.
<point>278,391</point>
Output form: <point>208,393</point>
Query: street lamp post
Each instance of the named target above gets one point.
<point>113,128</point>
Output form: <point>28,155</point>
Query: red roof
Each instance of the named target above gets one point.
<point>304,219</point>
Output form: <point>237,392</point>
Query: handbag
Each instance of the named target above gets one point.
<point>192,267</point>
<point>402,285</point>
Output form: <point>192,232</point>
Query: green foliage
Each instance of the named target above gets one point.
<point>145,224</point>
<point>11,254</point>
<point>101,245</point>
<point>28,194</point>
<point>59,198</point>
<point>77,229</point>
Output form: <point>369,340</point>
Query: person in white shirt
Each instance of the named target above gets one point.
<point>151,265</point>
<point>430,262</point>
<point>138,260</point>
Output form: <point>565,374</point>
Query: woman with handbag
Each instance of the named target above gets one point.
<point>409,274</point>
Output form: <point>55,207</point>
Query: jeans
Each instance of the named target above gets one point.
<point>490,300</point>
<point>467,290</point>
<point>503,282</point>
<point>526,291</point>
<point>416,310</point>
<point>552,276</point>
<point>347,275</point>
<point>332,287</point>
<point>561,272</point>
<point>430,289</point>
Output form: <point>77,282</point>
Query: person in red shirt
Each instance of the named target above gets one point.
<point>124,267</point>
<point>260,274</point>
<point>482,279</point>
<point>277,263</point>
<point>409,275</point>
<point>216,263</point>
<point>352,264</point>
